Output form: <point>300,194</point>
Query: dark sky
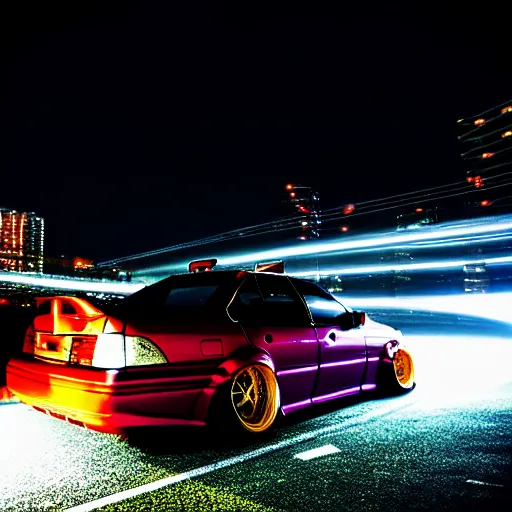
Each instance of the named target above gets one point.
<point>132,126</point>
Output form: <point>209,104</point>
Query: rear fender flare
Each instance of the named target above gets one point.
<point>235,362</point>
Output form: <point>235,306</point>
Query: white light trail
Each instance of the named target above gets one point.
<point>377,241</point>
<point>492,229</point>
<point>429,265</point>
<point>70,284</point>
<point>493,306</point>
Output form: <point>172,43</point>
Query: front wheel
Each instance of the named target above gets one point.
<point>397,377</point>
<point>404,369</point>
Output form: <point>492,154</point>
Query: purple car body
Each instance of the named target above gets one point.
<point>230,346</point>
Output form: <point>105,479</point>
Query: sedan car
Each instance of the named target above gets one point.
<point>235,349</point>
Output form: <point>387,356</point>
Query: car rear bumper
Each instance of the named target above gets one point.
<point>111,400</point>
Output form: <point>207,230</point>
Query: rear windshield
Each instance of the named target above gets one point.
<point>185,292</point>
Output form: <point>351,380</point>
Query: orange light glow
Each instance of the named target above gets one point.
<point>86,319</point>
<point>479,122</point>
<point>344,229</point>
<point>506,109</point>
<point>292,194</point>
<point>487,155</point>
<point>349,208</point>
<point>470,179</point>
<point>289,186</point>
<point>508,133</point>
<point>79,263</point>
<point>485,202</point>
<point>419,210</point>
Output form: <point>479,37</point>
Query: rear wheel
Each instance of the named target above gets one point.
<point>255,398</point>
<point>248,404</point>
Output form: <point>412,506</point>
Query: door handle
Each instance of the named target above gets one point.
<point>332,336</point>
<point>268,338</point>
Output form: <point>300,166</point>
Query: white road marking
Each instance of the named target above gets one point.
<point>317,452</point>
<point>477,482</point>
<point>306,436</point>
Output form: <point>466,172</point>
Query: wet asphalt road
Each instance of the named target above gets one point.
<point>445,446</point>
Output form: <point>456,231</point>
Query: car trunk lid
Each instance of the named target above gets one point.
<point>59,323</point>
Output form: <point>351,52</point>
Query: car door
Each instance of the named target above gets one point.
<point>342,349</point>
<point>275,319</point>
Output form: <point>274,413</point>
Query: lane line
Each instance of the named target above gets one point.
<point>317,452</point>
<point>477,482</point>
<point>193,473</point>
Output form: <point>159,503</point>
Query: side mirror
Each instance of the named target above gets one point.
<point>346,321</point>
<point>351,320</point>
<point>359,318</point>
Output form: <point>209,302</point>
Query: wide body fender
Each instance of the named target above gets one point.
<point>226,371</point>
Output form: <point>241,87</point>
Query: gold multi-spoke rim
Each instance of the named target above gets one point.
<point>255,397</point>
<point>404,368</point>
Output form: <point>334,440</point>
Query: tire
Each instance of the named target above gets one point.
<point>249,404</point>
<point>398,377</point>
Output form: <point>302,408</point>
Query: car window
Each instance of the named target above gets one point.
<point>186,292</point>
<point>44,308</point>
<point>68,309</point>
<point>323,306</point>
<point>246,302</point>
<point>282,304</point>
<point>190,296</point>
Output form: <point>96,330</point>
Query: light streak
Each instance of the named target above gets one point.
<point>493,306</point>
<point>486,228</point>
<point>463,234</point>
<point>430,265</point>
<point>478,482</point>
<point>379,241</point>
<point>69,284</point>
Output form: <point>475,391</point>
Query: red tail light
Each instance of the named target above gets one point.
<point>29,342</point>
<point>82,350</point>
<point>71,330</point>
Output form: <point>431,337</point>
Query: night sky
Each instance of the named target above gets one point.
<point>132,126</point>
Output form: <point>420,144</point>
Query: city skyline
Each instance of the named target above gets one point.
<point>133,128</point>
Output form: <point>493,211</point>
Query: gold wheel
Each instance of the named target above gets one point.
<point>404,369</point>
<point>255,397</point>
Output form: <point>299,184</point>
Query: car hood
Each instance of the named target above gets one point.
<point>373,328</point>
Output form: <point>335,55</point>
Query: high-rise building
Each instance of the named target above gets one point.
<point>21,241</point>
<point>418,218</point>
<point>303,203</point>
<point>486,151</point>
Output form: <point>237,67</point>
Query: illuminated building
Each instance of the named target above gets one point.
<point>486,144</point>
<point>401,281</point>
<point>303,203</point>
<point>21,241</point>
<point>418,218</point>
<point>486,141</point>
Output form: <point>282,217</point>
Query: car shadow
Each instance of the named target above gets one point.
<point>159,441</point>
